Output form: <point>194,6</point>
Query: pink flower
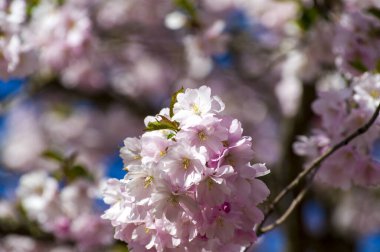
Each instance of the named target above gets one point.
<point>207,133</point>
<point>196,104</point>
<point>154,147</point>
<point>350,108</point>
<point>131,152</point>
<point>191,188</point>
<point>171,201</point>
<point>184,164</point>
<point>213,190</point>
<point>356,44</point>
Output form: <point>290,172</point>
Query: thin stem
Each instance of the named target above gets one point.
<point>288,211</point>
<point>314,165</point>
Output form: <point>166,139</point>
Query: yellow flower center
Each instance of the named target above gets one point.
<point>202,136</point>
<point>219,222</point>
<point>196,109</point>
<point>375,93</point>
<point>148,181</point>
<point>210,184</point>
<point>173,199</point>
<point>186,163</point>
<point>147,230</point>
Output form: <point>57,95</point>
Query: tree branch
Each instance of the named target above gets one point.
<point>313,167</point>
<point>288,211</point>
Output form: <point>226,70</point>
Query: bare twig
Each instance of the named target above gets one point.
<point>313,167</point>
<point>288,211</point>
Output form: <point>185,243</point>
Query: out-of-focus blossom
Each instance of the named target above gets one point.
<point>18,243</point>
<point>38,194</point>
<point>7,210</point>
<point>350,108</point>
<point>288,90</point>
<point>357,213</point>
<point>357,42</point>
<point>16,49</point>
<point>24,142</point>
<point>51,124</point>
<point>63,33</point>
<point>67,213</point>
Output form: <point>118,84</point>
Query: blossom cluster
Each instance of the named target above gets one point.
<point>16,49</point>
<point>82,45</point>
<point>64,210</point>
<point>357,41</point>
<point>96,68</point>
<point>190,185</point>
<point>342,111</point>
<point>69,211</point>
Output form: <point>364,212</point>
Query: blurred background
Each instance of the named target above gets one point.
<point>79,76</point>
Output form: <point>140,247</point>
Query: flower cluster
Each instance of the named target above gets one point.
<point>190,185</point>
<point>357,41</point>
<point>17,56</point>
<point>342,112</point>
<point>65,211</point>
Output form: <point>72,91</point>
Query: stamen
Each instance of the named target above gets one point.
<point>186,163</point>
<point>148,181</point>
<point>196,109</point>
<point>202,136</point>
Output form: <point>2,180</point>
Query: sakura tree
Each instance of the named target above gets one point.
<point>121,125</point>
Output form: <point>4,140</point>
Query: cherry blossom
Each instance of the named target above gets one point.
<point>350,108</point>
<point>185,189</point>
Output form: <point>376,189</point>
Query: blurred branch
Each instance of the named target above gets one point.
<point>22,225</point>
<point>283,217</point>
<point>108,97</point>
<point>292,127</point>
<point>313,167</point>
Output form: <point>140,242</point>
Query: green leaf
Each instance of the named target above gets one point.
<point>377,68</point>
<point>120,248</point>
<point>358,65</point>
<point>53,155</point>
<point>23,215</point>
<point>374,11</point>
<point>307,18</point>
<point>63,110</point>
<point>76,172</point>
<point>188,6</point>
<point>163,123</point>
<point>58,175</point>
<point>31,4</point>
<point>174,100</point>
<point>69,169</point>
<point>171,135</point>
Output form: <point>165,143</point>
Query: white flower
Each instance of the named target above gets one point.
<point>37,192</point>
<point>195,104</point>
<point>131,152</point>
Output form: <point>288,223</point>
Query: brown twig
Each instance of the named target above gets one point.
<point>288,211</point>
<point>313,167</point>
